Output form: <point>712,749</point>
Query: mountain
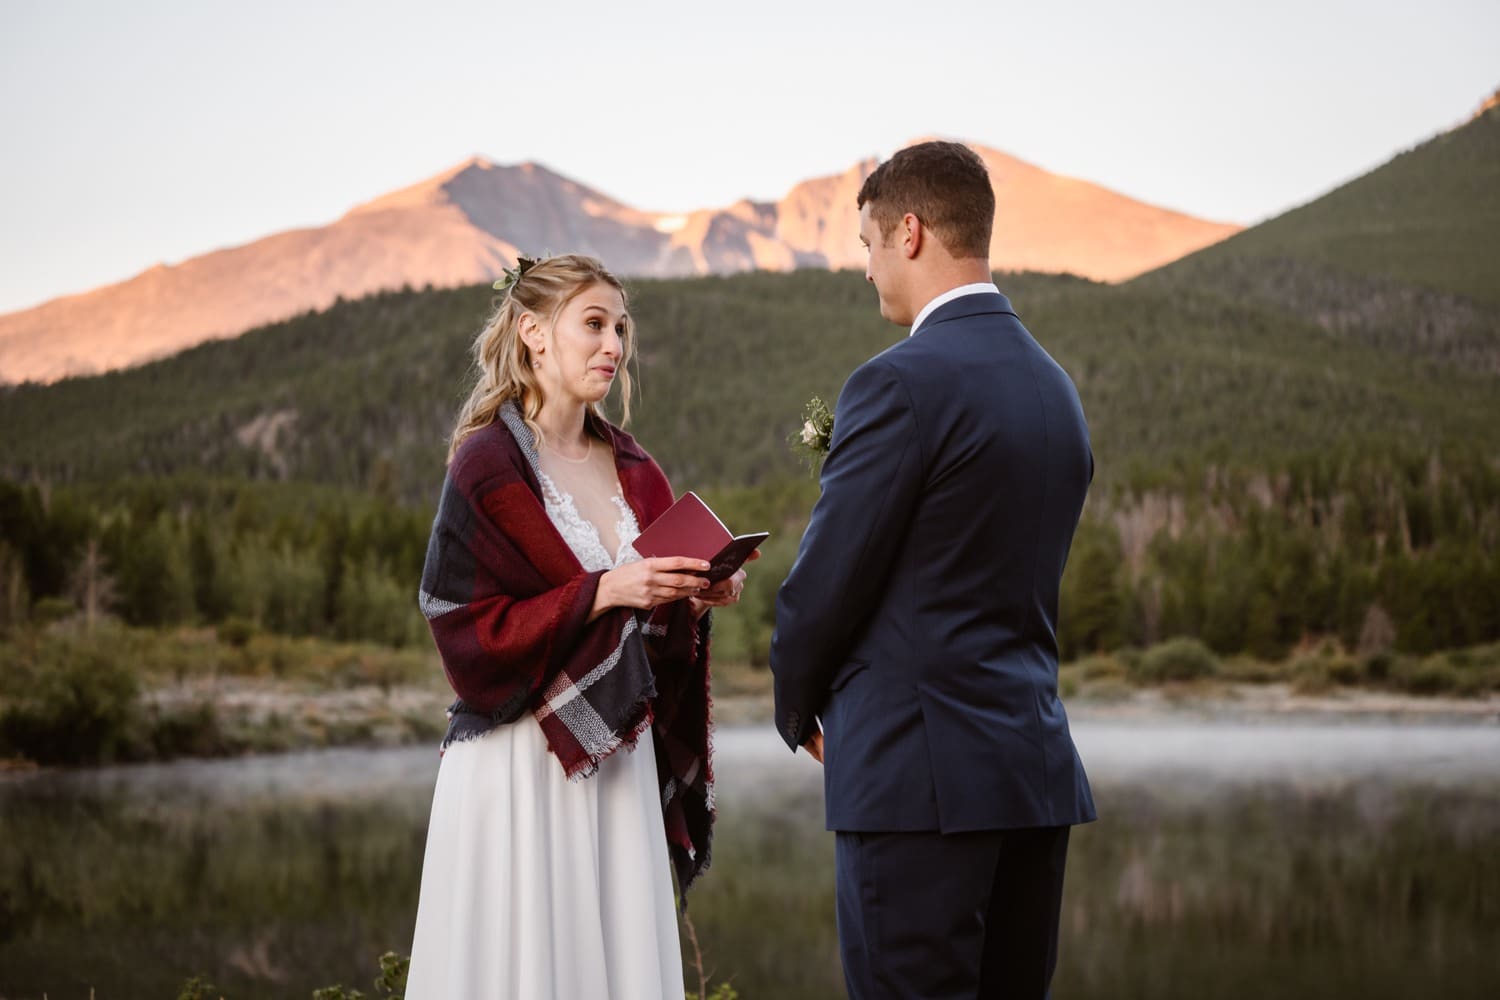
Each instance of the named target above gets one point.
<point>465,224</point>
<point>1405,257</point>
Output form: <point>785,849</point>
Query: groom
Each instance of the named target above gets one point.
<point>918,624</point>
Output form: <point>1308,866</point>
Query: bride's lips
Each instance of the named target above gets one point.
<point>605,370</point>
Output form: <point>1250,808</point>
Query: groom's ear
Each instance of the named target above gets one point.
<point>911,235</point>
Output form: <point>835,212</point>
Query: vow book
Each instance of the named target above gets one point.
<point>689,528</point>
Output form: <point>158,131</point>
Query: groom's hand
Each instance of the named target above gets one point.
<point>814,747</point>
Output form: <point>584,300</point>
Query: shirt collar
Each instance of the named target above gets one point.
<point>948,296</point>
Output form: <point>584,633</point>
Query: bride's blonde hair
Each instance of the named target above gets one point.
<point>502,359</point>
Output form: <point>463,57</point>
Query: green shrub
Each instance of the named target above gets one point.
<point>81,707</point>
<point>1310,674</point>
<point>1176,660</point>
<point>1433,675</point>
<point>236,631</point>
<point>1250,670</point>
<point>391,983</point>
<point>190,731</point>
<point>1067,683</point>
<point>393,970</point>
<point>1345,670</point>
<point>1101,667</point>
<point>1468,672</point>
<point>1484,668</point>
<point>197,989</point>
<point>1380,667</point>
<point>1109,690</point>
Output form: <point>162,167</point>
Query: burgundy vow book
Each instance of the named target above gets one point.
<point>689,528</point>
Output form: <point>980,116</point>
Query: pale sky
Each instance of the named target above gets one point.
<point>145,131</point>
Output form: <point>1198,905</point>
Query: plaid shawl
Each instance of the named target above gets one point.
<point>508,603</point>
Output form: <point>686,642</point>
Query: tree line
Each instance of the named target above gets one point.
<point>1390,552</point>
<point>290,559</point>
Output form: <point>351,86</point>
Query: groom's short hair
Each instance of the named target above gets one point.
<point>945,185</point>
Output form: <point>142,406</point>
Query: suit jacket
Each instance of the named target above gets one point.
<point>919,620</point>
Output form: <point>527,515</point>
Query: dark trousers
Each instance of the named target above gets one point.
<point>931,915</point>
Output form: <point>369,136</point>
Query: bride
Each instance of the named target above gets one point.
<point>576,779</point>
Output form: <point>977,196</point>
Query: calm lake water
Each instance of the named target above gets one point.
<point>1232,860</point>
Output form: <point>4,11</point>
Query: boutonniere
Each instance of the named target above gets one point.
<point>816,433</point>
<point>510,275</point>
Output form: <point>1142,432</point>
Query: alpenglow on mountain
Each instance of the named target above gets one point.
<point>466,224</point>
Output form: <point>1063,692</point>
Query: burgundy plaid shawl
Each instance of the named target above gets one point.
<point>508,602</point>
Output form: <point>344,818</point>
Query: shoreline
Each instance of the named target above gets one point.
<point>271,717</point>
<point>1260,703</point>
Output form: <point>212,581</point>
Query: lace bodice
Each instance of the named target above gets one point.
<point>582,535</point>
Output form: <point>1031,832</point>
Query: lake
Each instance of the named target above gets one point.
<point>1231,860</point>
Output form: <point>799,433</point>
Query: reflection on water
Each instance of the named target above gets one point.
<point>1232,860</point>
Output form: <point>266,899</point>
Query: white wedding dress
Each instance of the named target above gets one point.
<point>535,887</point>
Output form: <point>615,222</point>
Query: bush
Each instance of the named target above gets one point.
<point>1310,674</point>
<point>1379,667</point>
<point>1483,667</point>
<point>236,631</point>
<point>1433,675</point>
<point>1067,684</point>
<point>1346,670</point>
<point>1176,660</point>
<point>1249,670</point>
<point>1109,690</point>
<point>1102,667</point>
<point>197,988</point>
<point>1469,672</point>
<point>81,707</point>
<point>191,731</point>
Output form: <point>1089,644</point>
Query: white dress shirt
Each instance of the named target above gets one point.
<point>948,296</point>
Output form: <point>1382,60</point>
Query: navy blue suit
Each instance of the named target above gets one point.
<point>919,622</point>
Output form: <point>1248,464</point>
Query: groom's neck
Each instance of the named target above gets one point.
<point>952,273</point>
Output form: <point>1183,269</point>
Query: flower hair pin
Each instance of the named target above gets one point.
<point>511,275</point>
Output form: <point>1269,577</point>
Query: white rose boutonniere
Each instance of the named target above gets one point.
<point>816,434</point>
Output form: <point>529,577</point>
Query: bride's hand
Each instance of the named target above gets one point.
<point>725,592</point>
<point>647,583</point>
<point>722,594</point>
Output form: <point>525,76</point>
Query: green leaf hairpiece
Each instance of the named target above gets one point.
<point>511,275</point>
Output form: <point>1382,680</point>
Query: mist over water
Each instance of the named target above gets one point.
<point>1233,860</point>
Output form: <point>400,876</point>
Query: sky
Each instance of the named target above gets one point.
<point>149,131</point>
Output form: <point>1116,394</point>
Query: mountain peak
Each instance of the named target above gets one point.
<point>431,191</point>
<point>464,224</point>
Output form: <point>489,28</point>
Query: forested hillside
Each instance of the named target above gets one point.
<point>363,395</point>
<point>1260,480</point>
<point>1403,258</point>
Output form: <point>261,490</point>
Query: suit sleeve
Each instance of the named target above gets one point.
<point>870,483</point>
